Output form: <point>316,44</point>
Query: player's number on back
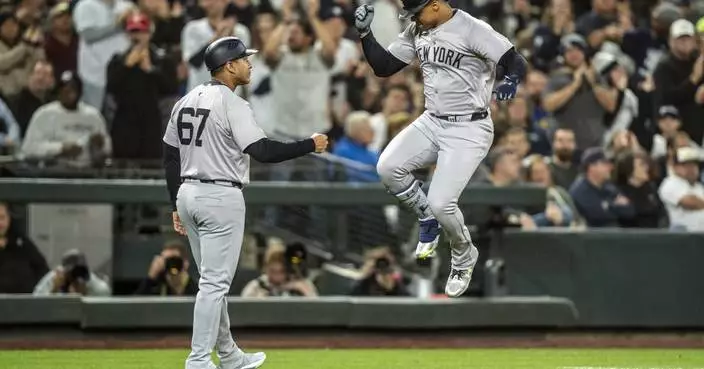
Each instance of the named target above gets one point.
<point>185,126</point>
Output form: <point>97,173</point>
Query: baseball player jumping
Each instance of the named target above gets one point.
<point>461,58</point>
<point>207,144</point>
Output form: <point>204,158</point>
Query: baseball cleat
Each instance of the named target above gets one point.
<point>428,239</point>
<point>459,279</point>
<point>243,361</point>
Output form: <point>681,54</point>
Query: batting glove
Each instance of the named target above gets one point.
<point>507,89</point>
<point>363,19</point>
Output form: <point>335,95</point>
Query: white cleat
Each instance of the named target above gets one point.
<point>428,239</point>
<point>458,281</point>
<point>243,361</point>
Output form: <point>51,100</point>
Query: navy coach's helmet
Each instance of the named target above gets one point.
<point>223,50</point>
<point>412,7</point>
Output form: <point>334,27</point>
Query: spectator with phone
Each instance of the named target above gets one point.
<point>168,273</point>
<point>73,276</point>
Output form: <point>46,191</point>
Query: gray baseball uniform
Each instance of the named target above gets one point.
<point>458,60</point>
<point>211,126</point>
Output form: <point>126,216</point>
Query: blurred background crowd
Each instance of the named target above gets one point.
<point>610,117</point>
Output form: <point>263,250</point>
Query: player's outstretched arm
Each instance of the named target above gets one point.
<point>267,150</point>
<point>381,60</point>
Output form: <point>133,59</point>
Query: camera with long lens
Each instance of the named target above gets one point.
<point>382,265</point>
<point>173,265</point>
<point>296,257</point>
<point>75,269</point>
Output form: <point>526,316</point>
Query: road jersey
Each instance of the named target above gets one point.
<point>212,126</point>
<point>458,60</point>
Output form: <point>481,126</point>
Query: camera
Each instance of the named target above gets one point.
<point>173,265</point>
<point>382,265</point>
<point>296,256</point>
<point>75,268</point>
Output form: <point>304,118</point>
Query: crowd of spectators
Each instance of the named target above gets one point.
<point>613,97</point>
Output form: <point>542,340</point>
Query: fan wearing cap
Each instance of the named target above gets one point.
<point>68,130</point>
<point>61,44</point>
<point>72,276</point>
<point>682,193</point>
<point>596,197</point>
<point>138,80</point>
<point>574,96</point>
<point>669,123</point>
<point>678,78</point>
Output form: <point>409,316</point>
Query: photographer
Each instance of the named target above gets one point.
<point>284,275</point>
<point>168,274</point>
<point>380,276</point>
<point>72,276</point>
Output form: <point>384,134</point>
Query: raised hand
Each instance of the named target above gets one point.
<point>363,17</point>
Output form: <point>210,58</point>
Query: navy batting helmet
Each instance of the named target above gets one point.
<point>224,50</point>
<point>412,7</point>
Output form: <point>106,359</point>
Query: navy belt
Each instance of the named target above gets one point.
<point>223,182</point>
<point>463,118</point>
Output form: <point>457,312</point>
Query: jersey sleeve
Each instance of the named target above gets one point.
<point>171,133</point>
<point>403,48</point>
<point>485,41</point>
<point>240,118</point>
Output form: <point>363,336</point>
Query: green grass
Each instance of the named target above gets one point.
<point>369,359</point>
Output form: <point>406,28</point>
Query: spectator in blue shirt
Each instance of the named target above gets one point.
<point>9,130</point>
<point>354,147</point>
<point>597,198</point>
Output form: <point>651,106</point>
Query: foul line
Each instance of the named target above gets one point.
<point>615,367</point>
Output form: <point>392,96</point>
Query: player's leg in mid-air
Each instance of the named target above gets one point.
<point>463,145</point>
<point>411,149</point>
<point>213,217</point>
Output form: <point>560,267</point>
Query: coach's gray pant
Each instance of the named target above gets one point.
<point>213,216</point>
<point>457,148</point>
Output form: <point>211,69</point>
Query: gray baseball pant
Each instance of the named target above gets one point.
<point>213,216</point>
<point>457,148</point>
